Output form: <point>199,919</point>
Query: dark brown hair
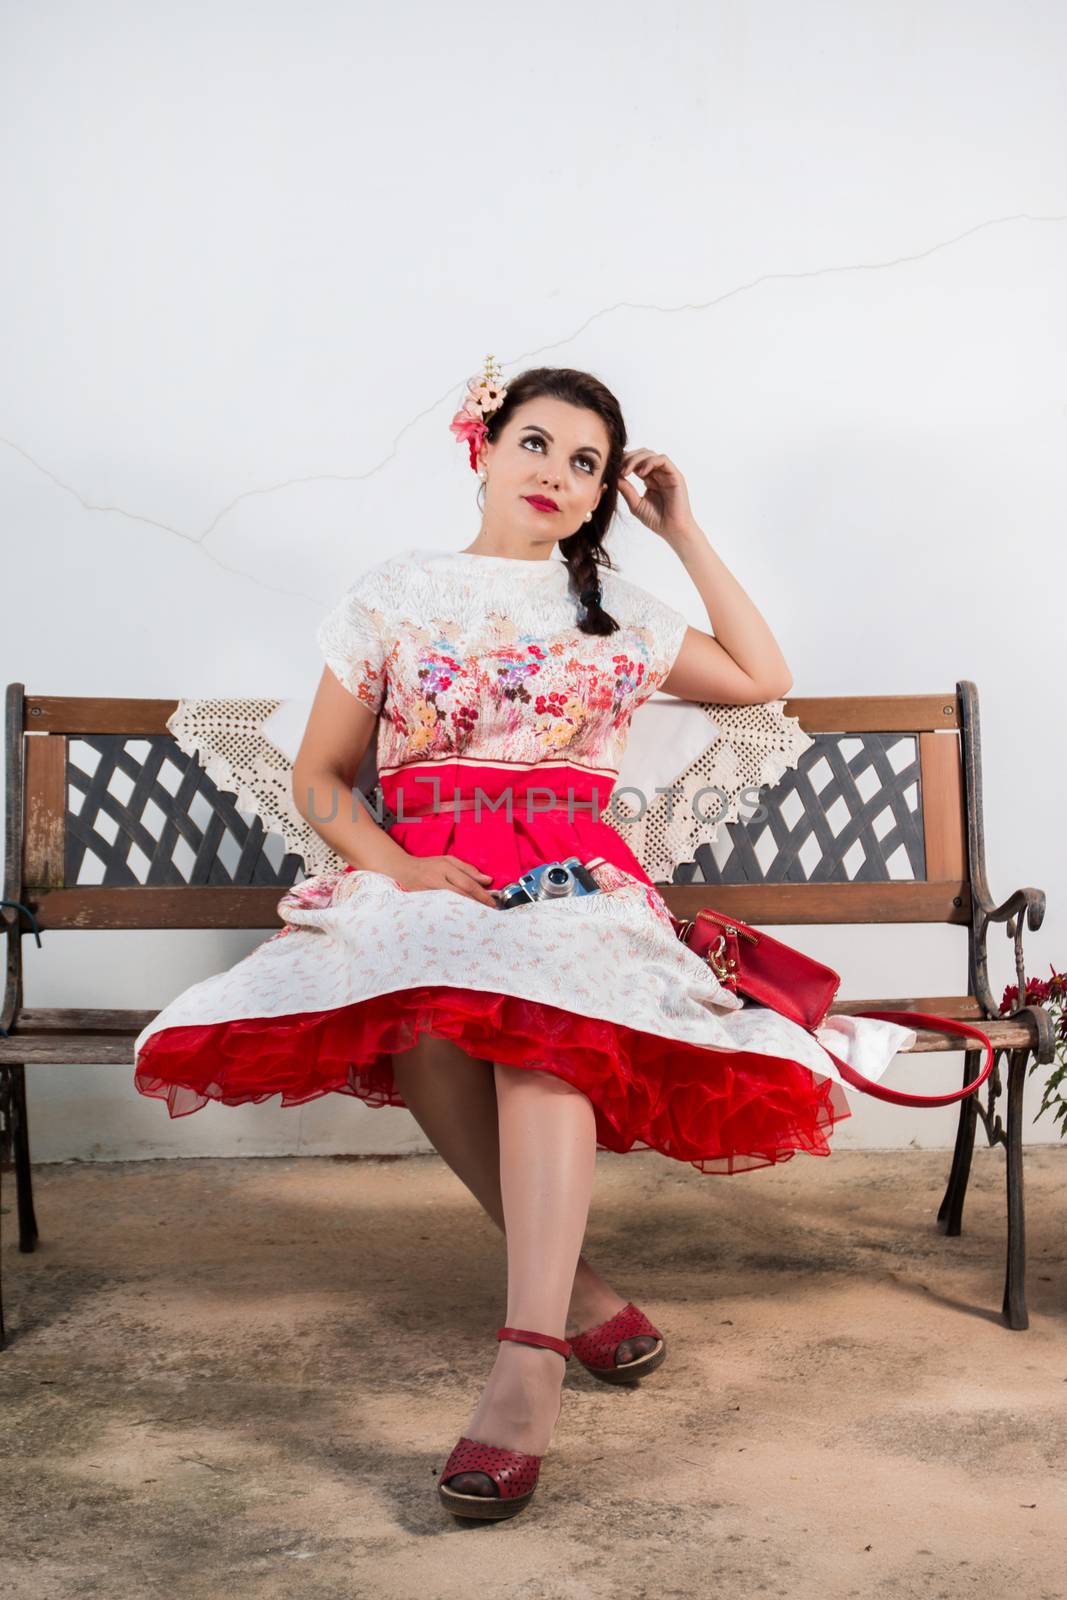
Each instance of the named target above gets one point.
<point>584,550</point>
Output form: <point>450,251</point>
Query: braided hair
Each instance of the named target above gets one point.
<point>583,551</point>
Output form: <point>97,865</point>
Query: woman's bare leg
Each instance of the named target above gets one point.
<point>547,1163</point>
<point>452,1096</point>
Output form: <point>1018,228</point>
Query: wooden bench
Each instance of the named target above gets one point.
<point>906,769</point>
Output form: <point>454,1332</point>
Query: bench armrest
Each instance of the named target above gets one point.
<point>10,912</point>
<point>1028,900</point>
<point>983,910</point>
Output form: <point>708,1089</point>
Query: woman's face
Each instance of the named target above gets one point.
<point>551,449</point>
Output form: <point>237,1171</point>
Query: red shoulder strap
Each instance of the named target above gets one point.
<point>897,1097</point>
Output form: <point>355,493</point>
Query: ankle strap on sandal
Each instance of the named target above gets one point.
<point>524,1336</point>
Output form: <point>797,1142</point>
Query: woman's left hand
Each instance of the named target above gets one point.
<point>664,507</point>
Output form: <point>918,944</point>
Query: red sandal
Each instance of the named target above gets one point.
<point>514,1473</point>
<point>598,1347</point>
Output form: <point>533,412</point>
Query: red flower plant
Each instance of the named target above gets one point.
<point>1052,994</point>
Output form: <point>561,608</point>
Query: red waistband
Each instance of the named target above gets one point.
<point>509,792</point>
<point>412,808</point>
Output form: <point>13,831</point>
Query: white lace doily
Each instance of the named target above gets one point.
<point>752,748</point>
<point>228,740</point>
<point>247,748</point>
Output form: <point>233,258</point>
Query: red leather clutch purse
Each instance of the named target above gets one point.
<point>768,971</point>
<point>750,962</point>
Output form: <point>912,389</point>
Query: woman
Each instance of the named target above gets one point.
<point>520,1036</point>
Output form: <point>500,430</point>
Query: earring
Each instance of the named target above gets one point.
<point>589,516</point>
<point>482,476</point>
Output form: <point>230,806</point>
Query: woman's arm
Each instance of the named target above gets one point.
<point>742,664</point>
<point>338,734</point>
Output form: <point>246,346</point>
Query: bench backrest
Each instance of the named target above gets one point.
<point>110,825</point>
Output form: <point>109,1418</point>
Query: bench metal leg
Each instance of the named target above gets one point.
<point>20,1127</point>
<point>1014,1308</point>
<point>950,1212</point>
<point>5,1140</point>
<point>13,1100</point>
<point>16,1141</point>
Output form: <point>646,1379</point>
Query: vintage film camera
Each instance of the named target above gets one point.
<point>552,881</point>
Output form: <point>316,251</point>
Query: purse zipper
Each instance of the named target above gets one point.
<point>731,927</point>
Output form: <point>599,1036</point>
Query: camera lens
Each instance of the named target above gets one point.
<point>556,881</point>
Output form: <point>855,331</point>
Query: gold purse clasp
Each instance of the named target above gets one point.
<point>719,962</point>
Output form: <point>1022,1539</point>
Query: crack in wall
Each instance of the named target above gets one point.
<point>522,360</point>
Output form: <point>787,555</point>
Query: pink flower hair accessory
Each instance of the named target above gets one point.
<point>485,395</point>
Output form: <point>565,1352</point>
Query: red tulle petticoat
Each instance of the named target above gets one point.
<point>723,1111</point>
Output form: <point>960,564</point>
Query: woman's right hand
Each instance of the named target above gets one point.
<point>447,872</point>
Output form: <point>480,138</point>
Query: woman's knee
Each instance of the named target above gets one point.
<point>536,1080</point>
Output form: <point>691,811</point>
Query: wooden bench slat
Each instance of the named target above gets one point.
<point>67,1049</point>
<point>77,1019</point>
<point>108,1019</point>
<point>801,904</point>
<point>45,810</point>
<point>965,1007</point>
<point>251,907</point>
<point>1008,1034</point>
<point>875,713</point>
<point>943,812</point>
<point>48,1043</point>
<point>883,713</point>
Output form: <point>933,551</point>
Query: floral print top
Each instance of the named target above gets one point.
<point>481,657</point>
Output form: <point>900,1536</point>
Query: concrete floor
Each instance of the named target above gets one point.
<point>230,1378</point>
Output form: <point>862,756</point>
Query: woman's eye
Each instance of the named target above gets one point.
<point>591,467</point>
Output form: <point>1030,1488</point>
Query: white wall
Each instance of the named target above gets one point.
<point>253,252</point>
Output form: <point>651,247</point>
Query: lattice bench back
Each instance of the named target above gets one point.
<point>110,825</point>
